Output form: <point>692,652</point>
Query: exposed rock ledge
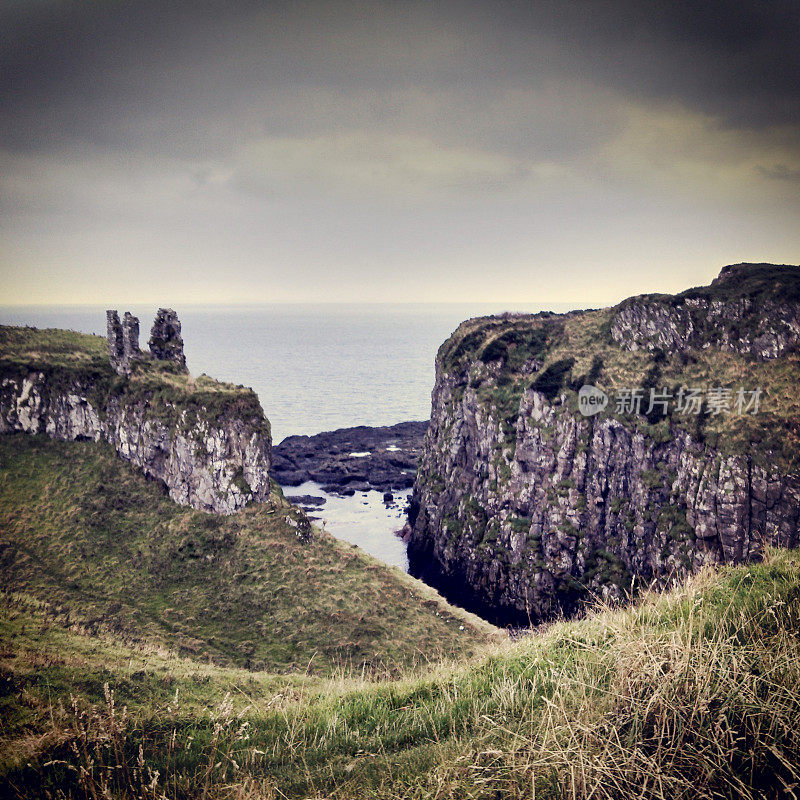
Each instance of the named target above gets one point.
<point>728,314</point>
<point>352,459</point>
<point>208,460</point>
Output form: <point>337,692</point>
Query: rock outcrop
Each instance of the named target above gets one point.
<point>523,508</point>
<point>166,342</point>
<point>352,459</point>
<point>728,314</point>
<point>209,443</point>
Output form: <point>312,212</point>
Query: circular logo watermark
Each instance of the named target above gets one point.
<point>591,400</point>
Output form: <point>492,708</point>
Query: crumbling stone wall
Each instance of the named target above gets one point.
<point>116,351</point>
<point>166,343</point>
<point>130,337</point>
<point>123,341</point>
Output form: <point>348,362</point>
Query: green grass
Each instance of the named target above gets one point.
<point>761,282</point>
<point>86,531</point>
<point>694,693</point>
<point>53,346</point>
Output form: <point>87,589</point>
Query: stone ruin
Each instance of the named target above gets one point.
<point>166,342</point>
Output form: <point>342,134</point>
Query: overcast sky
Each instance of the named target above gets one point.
<point>177,152</point>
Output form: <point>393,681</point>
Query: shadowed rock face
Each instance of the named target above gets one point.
<point>523,510</point>
<point>166,342</point>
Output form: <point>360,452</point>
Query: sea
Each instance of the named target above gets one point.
<point>315,368</point>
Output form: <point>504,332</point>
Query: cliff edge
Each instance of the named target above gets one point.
<point>526,504</point>
<point>208,442</point>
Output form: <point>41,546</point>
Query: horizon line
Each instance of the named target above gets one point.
<point>243,303</point>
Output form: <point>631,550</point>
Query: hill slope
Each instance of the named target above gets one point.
<point>691,694</point>
<point>84,531</point>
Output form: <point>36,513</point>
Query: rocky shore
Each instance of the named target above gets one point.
<point>352,460</point>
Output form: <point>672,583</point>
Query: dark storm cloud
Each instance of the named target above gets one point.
<point>737,59</point>
<point>198,76</point>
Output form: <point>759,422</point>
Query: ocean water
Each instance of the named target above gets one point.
<point>364,520</point>
<point>315,368</point>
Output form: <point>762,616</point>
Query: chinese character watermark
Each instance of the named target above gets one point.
<point>686,400</point>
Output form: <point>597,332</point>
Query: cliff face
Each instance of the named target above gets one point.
<point>208,443</point>
<point>523,507</point>
<point>743,311</point>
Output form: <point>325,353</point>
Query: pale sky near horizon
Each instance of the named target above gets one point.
<point>534,152</point>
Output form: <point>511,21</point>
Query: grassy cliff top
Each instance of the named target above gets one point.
<point>487,338</point>
<point>68,357</point>
<point>759,282</point>
<point>53,347</point>
<point>779,282</point>
<point>501,356</point>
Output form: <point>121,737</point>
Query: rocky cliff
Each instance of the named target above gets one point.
<point>745,310</point>
<point>208,442</point>
<point>524,507</point>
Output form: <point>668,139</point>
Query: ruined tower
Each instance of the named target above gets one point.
<point>123,341</point>
<point>130,337</point>
<point>166,342</point>
<point>116,350</point>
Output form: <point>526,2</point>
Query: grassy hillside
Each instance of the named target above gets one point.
<point>690,694</point>
<point>110,552</point>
